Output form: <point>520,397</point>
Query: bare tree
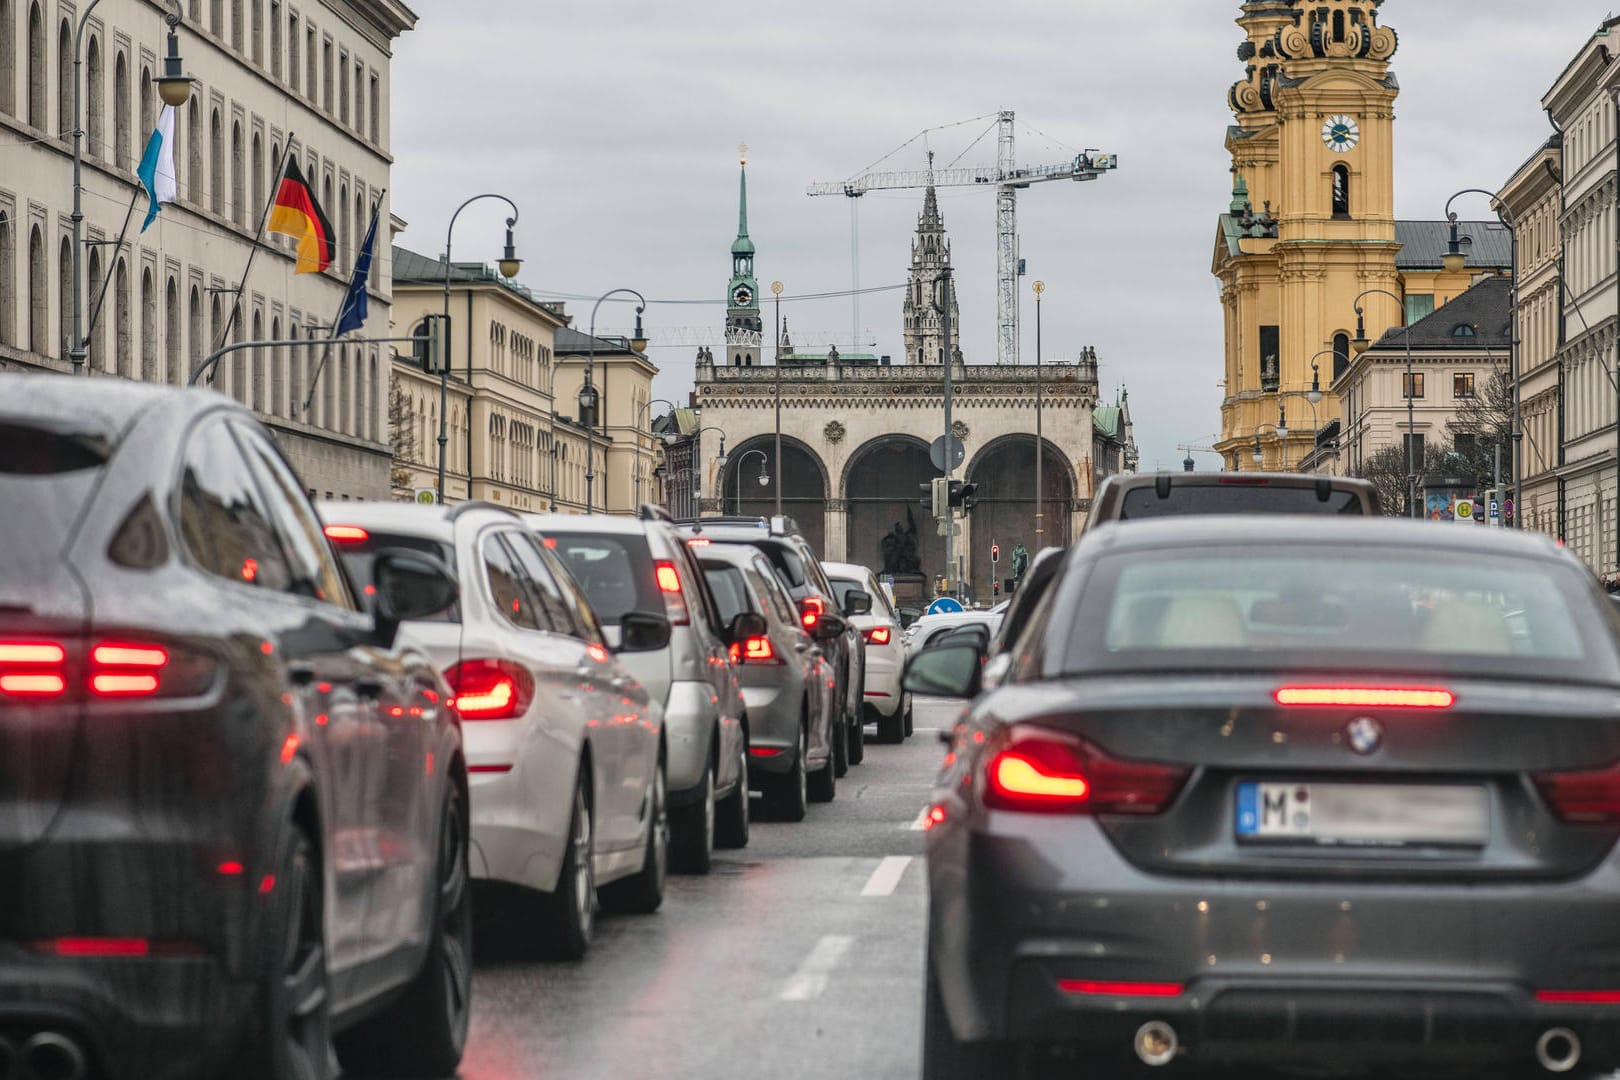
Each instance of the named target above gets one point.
<point>401,436</point>
<point>1483,423</point>
<point>1387,471</point>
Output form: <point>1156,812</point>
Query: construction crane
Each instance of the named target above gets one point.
<point>1007,178</point>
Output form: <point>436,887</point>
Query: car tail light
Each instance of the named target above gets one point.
<point>877,635</point>
<point>32,669</point>
<point>490,689</point>
<point>1578,997</point>
<point>811,608</point>
<point>669,583</point>
<point>120,669</point>
<point>699,541</point>
<point>1101,988</point>
<point>115,669</point>
<point>1586,797</point>
<point>1039,770</point>
<point>347,534</point>
<point>1368,697</point>
<point>754,650</point>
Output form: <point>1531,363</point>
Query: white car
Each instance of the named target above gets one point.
<point>565,751</point>
<point>927,628</point>
<point>884,702</point>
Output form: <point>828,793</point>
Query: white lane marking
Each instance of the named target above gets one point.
<point>920,822</point>
<point>810,980</point>
<point>886,876</point>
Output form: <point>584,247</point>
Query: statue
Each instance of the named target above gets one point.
<point>900,548</point>
<point>1020,562</point>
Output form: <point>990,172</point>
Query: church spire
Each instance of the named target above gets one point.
<point>743,245</point>
<point>923,313</point>
<point>743,321</point>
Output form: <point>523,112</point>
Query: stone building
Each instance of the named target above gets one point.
<point>623,453</point>
<point>315,73</point>
<point>923,314</point>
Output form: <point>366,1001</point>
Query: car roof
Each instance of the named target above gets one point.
<point>108,407</point>
<point>945,618</point>
<point>847,570</point>
<point>734,554</point>
<point>410,519</point>
<point>592,523</point>
<point>1286,530</point>
<point>1217,479</point>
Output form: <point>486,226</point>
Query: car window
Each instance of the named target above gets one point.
<point>695,587</point>
<point>768,585</point>
<point>225,523</point>
<point>312,560</point>
<point>1235,497</point>
<point>788,566</point>
<point>545,592</point>
<point>842,587</point>
<point>359,557</point>
<point>507,586</point>
<point>580,612</point>
<point>615,571</point>
<point>730,588</point>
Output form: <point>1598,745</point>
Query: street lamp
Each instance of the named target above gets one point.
<point>637,344</point>
<point>1454,261</point>
<point>1360,343</point>
<point>174,85</point>
<point>776,291</point>
<point>640,413</point>
<point>509,261</point>
<point>720,460</point>
<point>764,477</point>
<point>1040,445</point>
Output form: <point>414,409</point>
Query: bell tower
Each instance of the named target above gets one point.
<point>923,313</point>
<point>743,321</point>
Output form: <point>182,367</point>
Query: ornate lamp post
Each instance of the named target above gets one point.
<point>588,397</point>
<point>1360,343</point>
<point>764,477</point>
<point>645,411</point>
<point>1040,445</point>
<point>776,291</point>
<point>720,460</point>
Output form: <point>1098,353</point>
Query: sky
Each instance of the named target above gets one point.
<point>615,126</point>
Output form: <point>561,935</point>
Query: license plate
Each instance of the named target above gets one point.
<point>1388,815</point>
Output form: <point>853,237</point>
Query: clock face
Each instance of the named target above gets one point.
<point>742,297</point>
<point>1341,134</point>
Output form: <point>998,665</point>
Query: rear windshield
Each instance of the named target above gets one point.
<point>789,567</point>
<point>360,555</point>
<point>46,475</point>
<point>842,587</point>
<point>1235,498</point>
<point>730,590</point>
<point>616,572</point>
<point>1392,609</point>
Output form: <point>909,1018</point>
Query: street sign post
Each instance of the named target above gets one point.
<point>424,497</point>
<point>936,454</point>
<point>945,605</point>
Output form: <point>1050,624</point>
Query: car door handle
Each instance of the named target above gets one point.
<point>370,687</point>
<point>300,674</point>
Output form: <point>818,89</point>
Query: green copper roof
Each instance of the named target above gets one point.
<point>743,245</point>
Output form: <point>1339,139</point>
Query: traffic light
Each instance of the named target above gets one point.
<point>937,496</point>
<point>964,495</point>
<point>431,349</point>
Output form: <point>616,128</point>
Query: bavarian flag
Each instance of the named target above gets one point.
<point>295,213</point>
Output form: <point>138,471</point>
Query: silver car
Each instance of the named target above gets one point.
<point>630,565</point>
<point>787,680</point>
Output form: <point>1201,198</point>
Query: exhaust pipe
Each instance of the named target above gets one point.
<point>1558,1050</point>
<point>8,1060</point>
<point>50,1055</point>
<point>1156,1043</point>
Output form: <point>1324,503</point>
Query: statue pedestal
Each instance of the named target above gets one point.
<point>912,590</point>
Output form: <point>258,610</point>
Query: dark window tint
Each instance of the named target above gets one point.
<point>314,568</point>
<point>506,586</point>
<point>224,521</point>
<point>730,590</point>
<point>29,450</point>
<point>579,608</point>
<point>1235,498</point>
<point>46,477</point>
<point>789,567</point>
<point>842,587</point>
<point>360,555</point>
<point>616,572</point>
<point>542,585</point>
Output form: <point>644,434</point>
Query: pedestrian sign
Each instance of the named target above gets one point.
<point>945,605</point>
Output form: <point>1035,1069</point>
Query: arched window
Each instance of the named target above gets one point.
<point>256,30</point>
<point>148,118</point>
<point>197,348</point>
<point>125,127</point>
<point>8,59</point>
<point>1338,26</point>
<point>373,398</point>
<point>8,279</point>
<point>259,178</point>
<point>94,352</point>
<point>748,360</point>
<point>1341,191</point>
<point>295,381</point>
<point>238,177</point>
<point>64,294</point>
<point>194,152</point>
<point>236,25</point>
<point>1341,354</point>
<point>238,359</point>
<point>171,333</point>
<point>94,129</point>
<point>277,405</point>
<point>216,323</point>
<point>343,239</point>
<point>216,157</point>
<point>64,81</point>
<point>39,300</point>
<point>36,68</point>
<point>216,18</point>
<point>255,388</point>
<point>151,362</point>
<point>344,421</point>
<point>1463,330</point>
<point>125,343</point>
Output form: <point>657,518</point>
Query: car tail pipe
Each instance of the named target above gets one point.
<point>1558,1050</point>
<point>49,1055</point>
<point>1157,1044</point>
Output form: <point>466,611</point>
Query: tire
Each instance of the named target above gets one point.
<point>838,736</point>
<point>944,1058</point>
<point>732,825</point>
<point>643,892</point>
<point>566,916</point>
<point>907,708</point>
<point>823,783</point>
<point>425,1032</point>
<point>788,795</point>
<point>892,729</point>
<point>293,1036</point>
<point>692,831</point>
<point>857,739</point>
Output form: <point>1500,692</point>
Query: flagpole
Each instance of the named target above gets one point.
<point>343,308</point>
<point>275,187</point>
<point>112,264</point>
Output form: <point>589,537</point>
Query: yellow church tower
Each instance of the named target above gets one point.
<point>1312,219</point>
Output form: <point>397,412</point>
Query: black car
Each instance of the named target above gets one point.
<point>1144,496</point>
<point>233,814</point>
<point>1285,791</point>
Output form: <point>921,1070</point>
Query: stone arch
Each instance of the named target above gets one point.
<point>882,489</point>
<point>804,487</point>
<point>1004,470</point>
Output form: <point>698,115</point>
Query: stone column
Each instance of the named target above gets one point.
<point>837,526</point>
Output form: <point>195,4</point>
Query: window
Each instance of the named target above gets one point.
<point>275,38</point>
<point>311,62</point>
<point>94,128</point>
<point>343,86</point>
<point>257,31</point>
<point>197,351</point>
<point>194,152</point>
<point>376,110</point>
<point>1270,350</point>
<point>1418,306</point>
<point>239,211</point>
<point>151,362</point>
<point>125,343</point>
<point>543,584</point>
<point>224,522</point>
<point>1341,191</point>
<point>506,586</point>
<point>1463,331</point>
<point>1466,445</point>
<point>360,98</point>
<point>1341,354</point>
<point>259,177</point>
<point>314,568</point>
<point>236,25</point>
<point>171,333</point>
<point>216,155</point>
<point>39,301</point>
<point>8,59</point>
<point>293,66</point>
<point>277,405</point>
<point>1462,384</point>
<point>1413,444</point>
<point>64,288</point>
<point>326,73</point>
<point>1412,385</point>
<point>216,17</point>
<point>8,281</point>
<point>36,68</point>
<point>64,82</point>
<point>148,117</point>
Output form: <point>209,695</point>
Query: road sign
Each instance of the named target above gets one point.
<point>936,453</point>
<point>425,497</point>
<point>995,553</point>
<point>1507,509</point>
<point>945,605</point>
<point>1464,511</point>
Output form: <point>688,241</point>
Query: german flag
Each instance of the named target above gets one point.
<point>295,213</point>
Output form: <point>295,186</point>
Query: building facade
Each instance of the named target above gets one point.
<point>931,295</point>
<point>622,452</point>
<point>159,301</point>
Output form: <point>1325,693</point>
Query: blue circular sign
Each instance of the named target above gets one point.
<point>945,605</point>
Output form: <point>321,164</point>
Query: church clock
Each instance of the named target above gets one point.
<point>1341,134</point>
<point>742,296</point>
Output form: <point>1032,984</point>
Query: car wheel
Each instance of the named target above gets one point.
<point>693,830</point>
<point>944,1058</point>
<point>425,1031</point>
<point>643,892</point>
<point>838,736</point>
<point>908,716</point>
<point>857,739</point>
<point>892,729</point>
<point>567,914</point>
<point>294,1036</point>
<point>823,783</point>
<point>731,830</point>
<point>789,794</point>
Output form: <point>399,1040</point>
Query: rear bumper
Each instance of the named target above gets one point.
<point>883,696</point>
<point>1376,972</point>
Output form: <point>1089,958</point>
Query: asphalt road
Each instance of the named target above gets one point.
<point>799,956</point>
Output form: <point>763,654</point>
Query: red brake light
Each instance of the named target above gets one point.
<point>669,583</point>
<point>490,689</point>
<point>1044,771</point>
<point>877,635</point>
<point>347,534</point>
<point>669,579</point>
<point>1368,697</point>
<point>1586,797</point>
<point>136,656</point>
<point>811,608</point>
<point>24,685</point>
<point>31,652</point>
<point>121,669</point>
<point>754,650</point>
<point>699,541</point>
<point>32,669</point>
<point>1120,989</point>
<point>1578,997</point>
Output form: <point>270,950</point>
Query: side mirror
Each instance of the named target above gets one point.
<point>951,671</point>
<point>857,602</point>
<point>829,627</point>
<point>996,670</point>
<point>747,624</point>
<point>641,631</point>
<point>410,585</point>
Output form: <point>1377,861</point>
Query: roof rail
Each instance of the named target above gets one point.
<point>654,512</point>
<point>477,504</point>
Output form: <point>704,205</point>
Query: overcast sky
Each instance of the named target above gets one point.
<point>614,124</point>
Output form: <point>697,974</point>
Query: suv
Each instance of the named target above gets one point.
<point>639,564</point>
<point>1151,495</point>
<point>867,606</point>
<point>802,575</point>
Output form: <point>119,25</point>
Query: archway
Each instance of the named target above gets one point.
<point>889,529</point>
<point>1004,471</point>
<point>804,485</point>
